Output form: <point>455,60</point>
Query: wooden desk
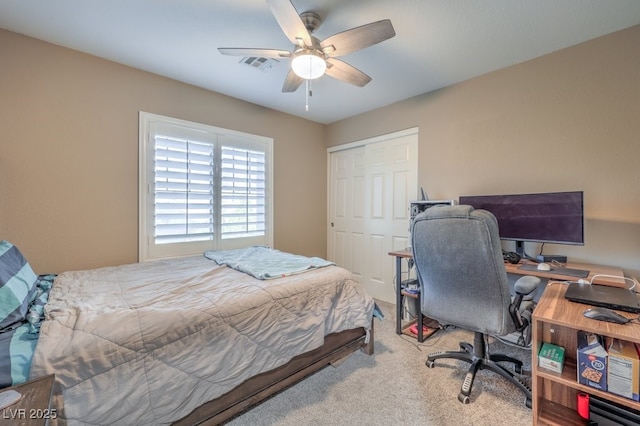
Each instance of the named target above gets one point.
<point>557,320</point>
<point>608,275</point>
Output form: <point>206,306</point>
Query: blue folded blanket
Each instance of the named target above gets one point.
<point>18,341</point>
<point>265,263</point>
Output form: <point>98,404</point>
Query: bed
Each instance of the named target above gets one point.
<point>189,341</point>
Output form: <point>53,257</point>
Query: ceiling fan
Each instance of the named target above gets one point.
<point>312,58</point>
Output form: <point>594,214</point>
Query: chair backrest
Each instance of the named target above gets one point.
<point>458,259</point>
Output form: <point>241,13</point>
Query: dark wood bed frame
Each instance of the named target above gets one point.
<point>337,346</point>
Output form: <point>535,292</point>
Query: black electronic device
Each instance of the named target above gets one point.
<point>551,258</point>
<point>607,413</point>
<point>511,256</point>
<point>553,217</point>
<point>618,298</point>
<point>417,207</point>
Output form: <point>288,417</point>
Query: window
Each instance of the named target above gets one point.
<point>201,188</point>
<point>242,193</point>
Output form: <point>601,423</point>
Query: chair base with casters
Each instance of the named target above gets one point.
<point>479,358</point>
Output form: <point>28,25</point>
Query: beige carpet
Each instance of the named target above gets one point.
<point>394,387</point>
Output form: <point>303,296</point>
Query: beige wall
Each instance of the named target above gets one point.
<point>69,147</point>
<point>69,155</point>
<point>569,120</point>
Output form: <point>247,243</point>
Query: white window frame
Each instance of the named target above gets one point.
<point>148,125</point>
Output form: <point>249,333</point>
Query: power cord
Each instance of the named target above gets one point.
<point>510,343</point>
<point>590,282</point>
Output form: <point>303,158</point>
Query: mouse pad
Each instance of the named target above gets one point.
<point>618,298</point>
<point>569,272</point>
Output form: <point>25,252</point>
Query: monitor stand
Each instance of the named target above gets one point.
<point>522,254</point>
<point>538,259</point>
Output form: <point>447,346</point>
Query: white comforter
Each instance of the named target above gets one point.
<point>147,343</point>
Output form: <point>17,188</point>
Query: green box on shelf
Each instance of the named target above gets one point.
<point>551,357</point>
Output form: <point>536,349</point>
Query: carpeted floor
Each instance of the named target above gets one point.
<point>394,387</point>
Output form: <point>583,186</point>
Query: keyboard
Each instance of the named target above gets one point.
<point>569,272</point>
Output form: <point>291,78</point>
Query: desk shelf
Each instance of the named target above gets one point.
<point>400,329</point>
<point>419,318</point>
<point>559,415</point>
<point>407,326</point>
<point>557,320</point>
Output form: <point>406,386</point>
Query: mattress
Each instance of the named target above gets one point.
<point>147,343</point>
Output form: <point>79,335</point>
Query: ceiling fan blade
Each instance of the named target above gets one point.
<point>358,38</point>
<point>343,71</point>
<point>264,53</point>
<point>292,82</point>
<point>290,22</point>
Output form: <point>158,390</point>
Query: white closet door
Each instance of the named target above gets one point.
<point>369,194</point>
<point>347,209</point>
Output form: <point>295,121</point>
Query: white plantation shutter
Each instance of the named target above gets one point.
<point>184,190</point>
<point>243,192</point>
<point>201,188</point>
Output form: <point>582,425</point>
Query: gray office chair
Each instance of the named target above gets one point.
<point>460,268</point>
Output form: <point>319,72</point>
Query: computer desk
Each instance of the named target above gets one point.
<point>557,321</point>
<point>608,275</point>
<point>598,274</point>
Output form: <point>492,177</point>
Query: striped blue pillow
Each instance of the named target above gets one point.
<point>17,285</point>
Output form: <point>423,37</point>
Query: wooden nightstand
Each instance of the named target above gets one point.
<point>35,406</point>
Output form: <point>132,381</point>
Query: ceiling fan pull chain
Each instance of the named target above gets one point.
<point>307,94</point>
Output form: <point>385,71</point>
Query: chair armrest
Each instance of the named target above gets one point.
<point>525,285</point>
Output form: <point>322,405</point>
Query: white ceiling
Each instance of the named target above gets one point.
<point>437,42</point>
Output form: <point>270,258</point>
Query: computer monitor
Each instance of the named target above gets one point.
<point>553,217</point>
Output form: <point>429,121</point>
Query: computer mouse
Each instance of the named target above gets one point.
<point>544,267</point>
<point>605,314</point>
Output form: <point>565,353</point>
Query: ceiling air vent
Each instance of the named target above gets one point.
<point>263,64</point>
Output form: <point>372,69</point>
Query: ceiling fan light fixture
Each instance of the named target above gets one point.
<point>308,64</point>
